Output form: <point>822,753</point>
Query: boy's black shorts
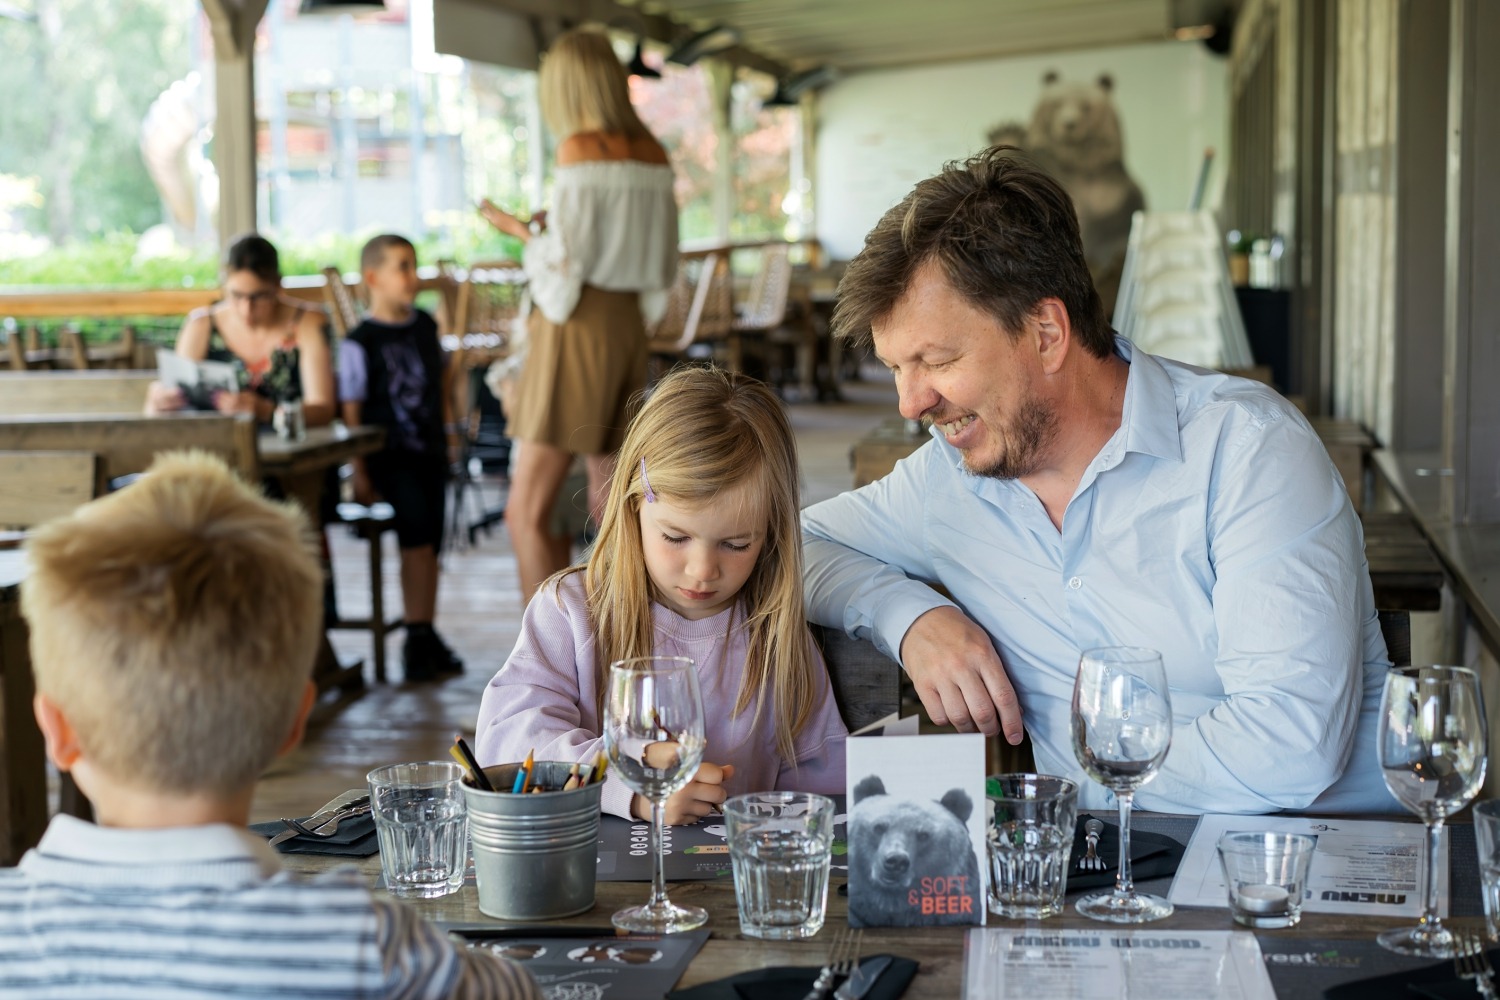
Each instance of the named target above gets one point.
<point>416,486</point>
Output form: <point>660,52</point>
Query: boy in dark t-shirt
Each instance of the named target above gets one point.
<point>392,374</point>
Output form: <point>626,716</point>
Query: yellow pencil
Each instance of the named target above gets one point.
<point>530,769</point>
<point>600,763</point>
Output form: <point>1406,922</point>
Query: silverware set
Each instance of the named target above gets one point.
<point>325,824</point>
<point>843,958</point>
<point>1470,963</point>
<point>1091,862</point>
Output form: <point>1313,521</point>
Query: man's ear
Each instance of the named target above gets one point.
<point>57,731</point>
<point>1053,330</point>
<point>299,725</point>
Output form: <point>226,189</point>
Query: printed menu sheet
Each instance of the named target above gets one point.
<point>1369,867</point>
<point>1003,963</point>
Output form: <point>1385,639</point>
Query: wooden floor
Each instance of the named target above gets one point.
<point>479,612</point>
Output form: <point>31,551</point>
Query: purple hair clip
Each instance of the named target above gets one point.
<point>646,484</point>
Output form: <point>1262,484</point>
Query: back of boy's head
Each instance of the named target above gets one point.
<point>175,624</point>
<point>373,254</point>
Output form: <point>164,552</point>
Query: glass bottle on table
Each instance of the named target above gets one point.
<point>653,736</point>
<point>1122,729</point>
<point>1433,756</point>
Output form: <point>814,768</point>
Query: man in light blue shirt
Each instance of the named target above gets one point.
<point>1077,493</point>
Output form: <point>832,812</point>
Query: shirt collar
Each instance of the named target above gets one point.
<point>220,846</point>
<point>1148,421</point>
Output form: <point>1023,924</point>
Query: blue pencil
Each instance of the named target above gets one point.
<point>520,781</point>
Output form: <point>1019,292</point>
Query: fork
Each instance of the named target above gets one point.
<point>329,826</point>
<point>843,954</point>
<point>1091,862</point>
<point>1471,964</point>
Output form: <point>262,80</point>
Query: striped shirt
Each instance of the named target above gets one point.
<point>100,912</point>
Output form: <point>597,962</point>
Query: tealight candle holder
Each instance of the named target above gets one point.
<point>1266,876</point>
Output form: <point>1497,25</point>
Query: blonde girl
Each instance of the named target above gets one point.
<point>699,555</point>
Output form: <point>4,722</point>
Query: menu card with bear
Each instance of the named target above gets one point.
<point>916,830</point>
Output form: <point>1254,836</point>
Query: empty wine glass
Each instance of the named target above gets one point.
<point>653,734</point>
<point>1122,727</point>
<point>1432,753</point>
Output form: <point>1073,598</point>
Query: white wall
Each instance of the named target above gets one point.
<point>880,132</point>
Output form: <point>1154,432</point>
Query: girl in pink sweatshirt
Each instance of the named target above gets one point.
<point>699,555</point>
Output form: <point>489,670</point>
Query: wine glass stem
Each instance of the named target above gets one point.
<point>658,855</point>
<point>1430,919</point>
<point>1123,884</point>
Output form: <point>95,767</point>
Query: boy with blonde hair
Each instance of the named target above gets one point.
<point>173,630</point>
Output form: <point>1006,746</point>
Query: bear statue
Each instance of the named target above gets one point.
<point>1075,136</point>
<point>911,861</point>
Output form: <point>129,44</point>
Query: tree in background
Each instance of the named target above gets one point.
<point>78,79</point>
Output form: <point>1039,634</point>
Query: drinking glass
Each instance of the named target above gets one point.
<point>653,734</point>
<point>1122,728</point>
<point>423,825</point>
<point>1432,753</point>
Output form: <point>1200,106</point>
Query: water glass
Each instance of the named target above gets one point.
<point>780,844</point>
<point>1487,835</point>
<point>1266,875</point>
<point>423,825</point>
<point>1030,839</point>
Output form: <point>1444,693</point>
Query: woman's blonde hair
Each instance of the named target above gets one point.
<point>583,87</point>
<point>704,432</point>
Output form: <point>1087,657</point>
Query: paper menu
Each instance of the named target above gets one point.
<point>1001,963</point>
<point>1366,867</point>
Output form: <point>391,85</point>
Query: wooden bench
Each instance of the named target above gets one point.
<point>37,486</point>
<point>86,392</point>
<point>129,443</point>
<point>1350,446</point>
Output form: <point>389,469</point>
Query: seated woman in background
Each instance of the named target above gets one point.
<point>252,320</point>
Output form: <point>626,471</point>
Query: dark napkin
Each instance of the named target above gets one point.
<point>1152,855</point>
<point>794,981</point>
<point>1435,982</point>
<point>355,838</point>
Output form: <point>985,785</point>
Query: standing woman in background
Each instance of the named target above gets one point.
<point>598,276</point>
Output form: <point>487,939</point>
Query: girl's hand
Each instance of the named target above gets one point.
<point>703,796</point>
<point>164,399</point>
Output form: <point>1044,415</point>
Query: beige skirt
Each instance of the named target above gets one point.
<point>580,382</point>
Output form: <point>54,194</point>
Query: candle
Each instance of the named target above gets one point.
<point>1258,898</point>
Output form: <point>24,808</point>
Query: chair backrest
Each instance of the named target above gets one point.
<point>765,306</point>
<point>487,304</point>
<point>25,393</point>
<point>71,341</point>
<point>129,443</point>
<point>37,486</point>
<point>17,351</point>
<point>687,301</point>
<point>343,311</point>
<point>866,682</point>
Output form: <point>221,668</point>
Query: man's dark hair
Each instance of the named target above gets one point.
<point>373,255</point>
<point>256,254</point>
<point>1005,236</point>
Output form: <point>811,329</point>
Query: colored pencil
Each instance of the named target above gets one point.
<point>597,774</point>
<point>572,781</point>
<point>520,781</point>
<point>528,769</point>
<point>476,773</point>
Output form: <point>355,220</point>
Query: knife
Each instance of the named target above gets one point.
<point>862,979</point>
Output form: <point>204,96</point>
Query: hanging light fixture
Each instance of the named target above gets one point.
<point>319,8</point>
<point>790,90</point>
<point>705,43</point>
<point>638,66</point>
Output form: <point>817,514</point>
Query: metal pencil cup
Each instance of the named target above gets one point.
<point>535,856</point>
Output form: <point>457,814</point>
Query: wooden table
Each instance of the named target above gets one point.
<point>301,469</point>
<point>938,950</point>
<point>23,760</point>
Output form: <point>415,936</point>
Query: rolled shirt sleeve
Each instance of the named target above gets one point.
<point>354,372</point>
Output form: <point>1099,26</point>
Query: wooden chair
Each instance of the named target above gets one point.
<point>25,393</point>
<point>764,308</point>
<point>371,523</point>
<point>699,311</point>
<point>343,310</point>
<point>71,347</point>
<point>129,443</point>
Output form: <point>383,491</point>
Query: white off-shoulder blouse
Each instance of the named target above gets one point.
<point>613,225</point>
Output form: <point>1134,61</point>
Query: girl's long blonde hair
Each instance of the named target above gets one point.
<point>705,431</point>
<point>582,87</point>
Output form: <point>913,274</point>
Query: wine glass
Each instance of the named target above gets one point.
<point>1432,753</point>
<point>1122,727</point>
<point>653,734</point>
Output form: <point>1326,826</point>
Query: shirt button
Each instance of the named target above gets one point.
<point>1075,583</point>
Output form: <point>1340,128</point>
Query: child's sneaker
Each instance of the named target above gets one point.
<point>426,656</point>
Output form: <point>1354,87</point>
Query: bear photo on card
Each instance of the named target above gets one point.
<point>916,830</point>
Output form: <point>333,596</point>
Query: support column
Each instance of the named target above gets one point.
<point>233,23</point>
